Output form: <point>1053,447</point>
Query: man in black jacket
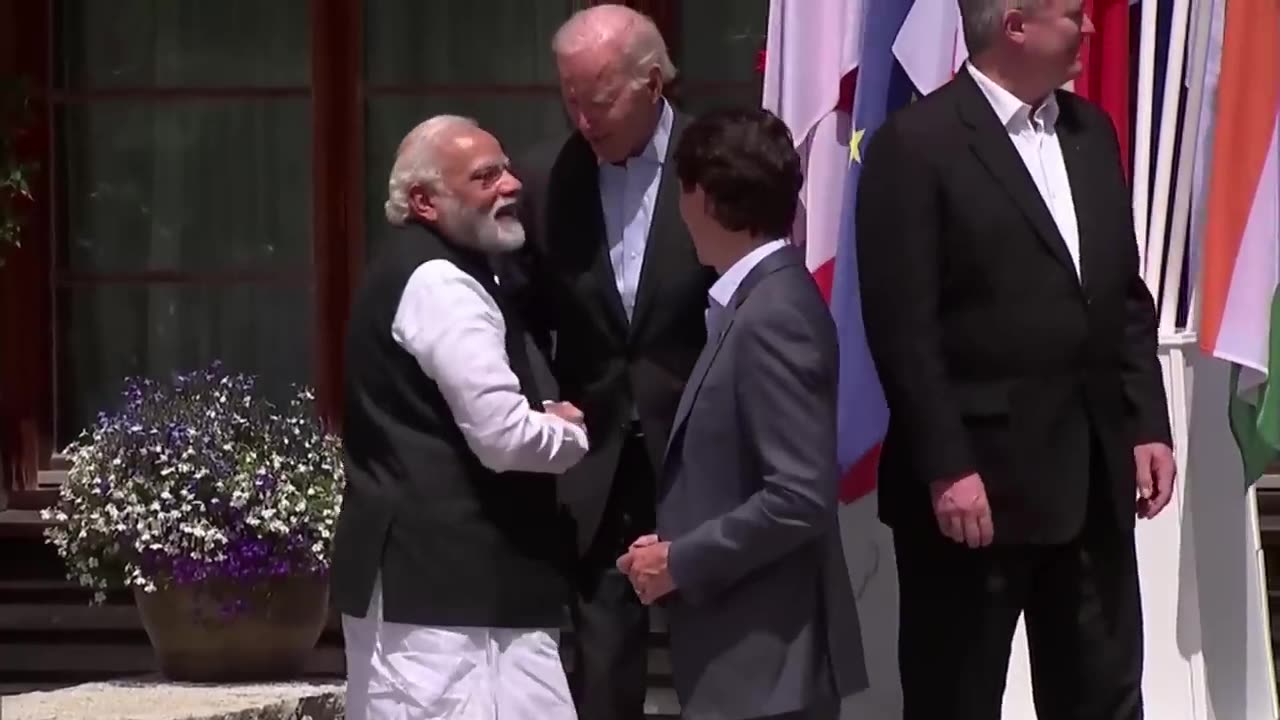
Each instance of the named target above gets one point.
<point>447,569</point>
<point>1016,344</point>
<point>613,284</point>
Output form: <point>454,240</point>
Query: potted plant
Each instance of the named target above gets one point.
<point>217,508</point>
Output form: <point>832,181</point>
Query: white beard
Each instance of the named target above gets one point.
<point>479,230</point>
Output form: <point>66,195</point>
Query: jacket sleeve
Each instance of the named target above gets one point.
<point>1143,378</point>
<point>786,388</point>
<point>899,224</point>
<point>456,332</point>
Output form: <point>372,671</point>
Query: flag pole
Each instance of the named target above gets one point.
<point>1176,346</point>
<point>1156,267</point>
<point>1142,130</point>
<point>1187,157</point>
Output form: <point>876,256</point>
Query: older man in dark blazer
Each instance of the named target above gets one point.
<point>1016,343</point>
<point>747,557</point>
<point>610,279</point>
<point>611,282</point>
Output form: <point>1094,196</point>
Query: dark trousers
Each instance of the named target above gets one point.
<point>611,626</point>
<point>959,609</point>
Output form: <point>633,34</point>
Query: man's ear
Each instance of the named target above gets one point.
<point>1015,25</point>
<point>422,203</point>
<point>654,84</point>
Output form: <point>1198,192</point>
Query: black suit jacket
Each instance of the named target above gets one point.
<point>602,363</point>
<point>993,355</point>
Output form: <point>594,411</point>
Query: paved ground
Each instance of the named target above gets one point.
<point>159,700</point>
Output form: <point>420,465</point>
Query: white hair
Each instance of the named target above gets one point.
<point>983,20</point>
<point>416,163</point>
<point>642,46</point>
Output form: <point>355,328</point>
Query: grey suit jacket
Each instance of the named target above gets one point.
<point>763,620</point>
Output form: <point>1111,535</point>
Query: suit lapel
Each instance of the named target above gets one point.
<point>784,257</point>
<point>594,236</point>
<point>994,149</point>
<point>1081,156</point>
<point>696,377</point>
<point>665,230</point>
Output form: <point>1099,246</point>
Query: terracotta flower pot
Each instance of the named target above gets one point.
<point>228,631</point>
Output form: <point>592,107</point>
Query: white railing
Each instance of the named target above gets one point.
<point>1209,647</point>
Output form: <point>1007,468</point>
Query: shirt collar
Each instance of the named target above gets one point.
<point>655,151</point>
<point>723,289</point>
<point>1012,112</point>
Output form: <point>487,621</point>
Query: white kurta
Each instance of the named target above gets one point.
<point>411,672</point>
<point>455,330</point>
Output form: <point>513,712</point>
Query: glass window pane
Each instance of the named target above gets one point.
<point>462,42</point>
<point>192,185</point>
<point>518,121</point>
<point>117,331</point>
<point>183,43</point>
<point>721,40</point>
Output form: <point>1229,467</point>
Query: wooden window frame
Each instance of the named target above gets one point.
<point>31,276</point>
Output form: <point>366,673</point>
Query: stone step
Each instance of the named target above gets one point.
<point>152,699</point>
<point>147,698</point>
<point>52,637</point>
<point>17,688</point>
<point>117,659</point>
<point>21,523</point>
<point>92,653</point>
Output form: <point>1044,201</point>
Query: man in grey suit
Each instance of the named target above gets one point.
<point>747,558</point>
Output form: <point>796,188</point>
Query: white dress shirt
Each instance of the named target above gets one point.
<point>726,285</point>
<point>452,326</point>
<point>628,195</point>
<point>1036,138</point>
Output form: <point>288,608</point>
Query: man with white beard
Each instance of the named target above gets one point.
<point>447,568</point>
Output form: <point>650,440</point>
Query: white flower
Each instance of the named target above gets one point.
<point>127,494</point>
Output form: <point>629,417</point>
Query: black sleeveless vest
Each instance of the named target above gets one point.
<point>454,542</point>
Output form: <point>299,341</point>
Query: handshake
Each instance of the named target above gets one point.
<point>565,411</point>
<point>645,565</point>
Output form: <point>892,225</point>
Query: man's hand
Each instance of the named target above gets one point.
<point>1156,472</point>
<point>624,562</point>
<point>645,563</point>
<point>962,510</point>
<point>564,411</point>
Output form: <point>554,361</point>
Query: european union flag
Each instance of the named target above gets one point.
<point>882,87</point>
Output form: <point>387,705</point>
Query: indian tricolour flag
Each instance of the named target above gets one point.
<point>1240,266</point>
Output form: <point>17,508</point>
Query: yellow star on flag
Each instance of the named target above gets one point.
<point>855,146</point>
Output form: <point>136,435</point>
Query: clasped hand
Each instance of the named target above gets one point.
<point>645,565</point>
<point>566,411</point>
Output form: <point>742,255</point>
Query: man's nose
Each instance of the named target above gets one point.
<point>509,184</point>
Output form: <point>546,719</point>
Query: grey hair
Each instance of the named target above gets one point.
<point>641,43</point>
<point>983,20</point>
<point>416,163</point>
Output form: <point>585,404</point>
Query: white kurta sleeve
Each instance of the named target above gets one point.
<point>452,326</point>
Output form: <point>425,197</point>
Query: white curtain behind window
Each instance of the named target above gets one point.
<point>207,181</point>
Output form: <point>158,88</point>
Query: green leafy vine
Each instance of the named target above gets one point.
<point>15,175</point>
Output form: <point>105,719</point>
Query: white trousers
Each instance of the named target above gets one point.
<point>412,672</point>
